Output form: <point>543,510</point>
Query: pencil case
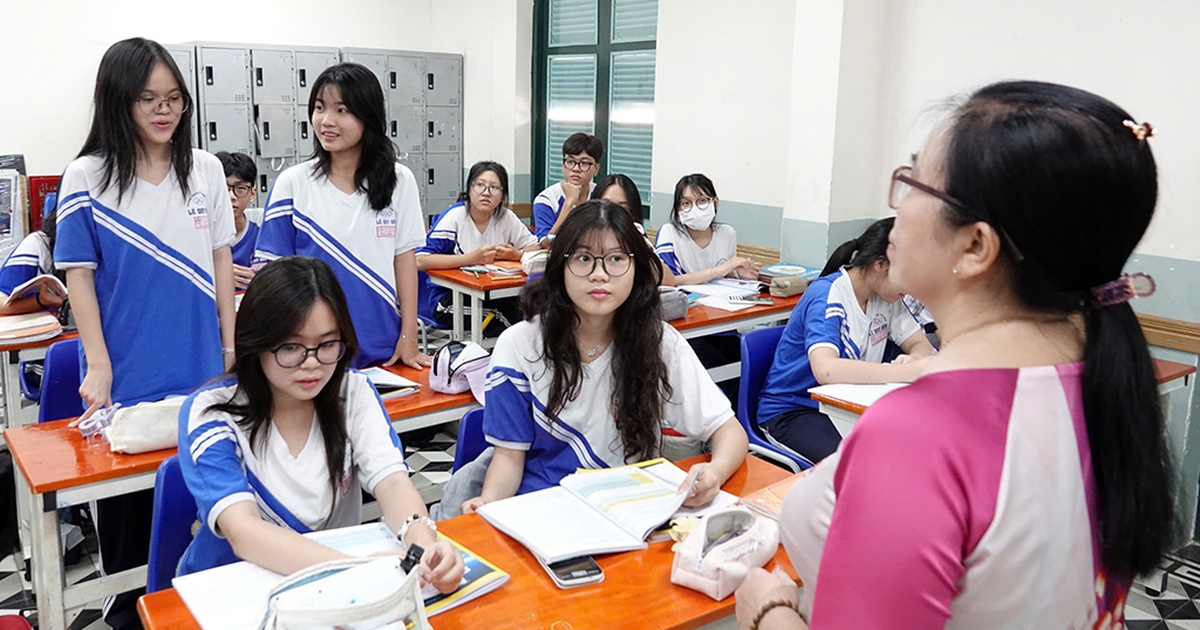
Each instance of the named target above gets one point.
<point>721,549</point>
<point>350,594</point>
<point>145,427</point>
<point>535,261</point>
<point>674,303</point>
<point>787,286</point>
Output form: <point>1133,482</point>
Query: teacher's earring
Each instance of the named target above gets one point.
<point>954,271</point>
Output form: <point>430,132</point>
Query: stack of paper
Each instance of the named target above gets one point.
<point>864,395</point>
<point>389,384</point>
<point>28,327</point>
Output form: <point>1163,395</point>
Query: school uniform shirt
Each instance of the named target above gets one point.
<point>547,206</point>
<point>152,254</point>
<point>828,316</point>
<point>243,245</point>
<point>307,215</point>
<point>682,255</point>
<point>29,260</point>
<point>222,468</point>
<point>455,233</point>
<point>585,435</point>
<point>965,500</point>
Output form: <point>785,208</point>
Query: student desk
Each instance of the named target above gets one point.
<point>1170,375</point>
<point>483,287</point>
<point>636,591</point>
<point>62,469</point>
<point>702,321</point>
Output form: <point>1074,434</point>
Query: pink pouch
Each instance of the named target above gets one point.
<point>721,549</point>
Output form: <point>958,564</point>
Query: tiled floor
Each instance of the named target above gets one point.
<point>430,454</point>
<point>1169,599</point>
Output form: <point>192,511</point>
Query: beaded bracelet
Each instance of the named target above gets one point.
<point>768,607</point>
<point>415,518</point>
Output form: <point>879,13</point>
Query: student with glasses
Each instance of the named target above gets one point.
<point>594,375</point>
<point>694,245</point>
<point>144,229</point>
<point>240,173</point>
<point>478,229</point>
<point>285,443</point>
<point>580,164</point>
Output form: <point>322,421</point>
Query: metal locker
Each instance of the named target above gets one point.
<point>271,76</point>
<point>268,171</point>
<point>275,127</point>
<point>226,127</point>
<point>415,161</point>
<point>407,128</point>
<point>443,80</point>
<point>185,58</point>
<point>443,129</point>
<point>224,75</point>
<point>443,177</point>
<point>304,136</point>
<point>309,66</point>
<point>376,63</point>
<point>406,80</point>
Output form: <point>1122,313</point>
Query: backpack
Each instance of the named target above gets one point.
<point>459,367</point>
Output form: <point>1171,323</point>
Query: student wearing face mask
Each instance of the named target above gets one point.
<point>694,246</point>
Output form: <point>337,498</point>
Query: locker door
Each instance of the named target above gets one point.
<point>268,172</point>
<point>276,129</point>
<point>185,58</point>
<point>374,63</point>
<point>415,162</point>
<point>304,135</point>
<point>406,80</point>
<point>226,127</point>
<point>271,76</point>
<point>443,179</point>
<point>407,128</point>
<point>224,75</point>
<point>443,129</point>
<point>310,65</point>
<point>443,81</point>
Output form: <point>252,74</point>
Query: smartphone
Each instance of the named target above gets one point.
<point>751,299</point>
<point>574,572</point>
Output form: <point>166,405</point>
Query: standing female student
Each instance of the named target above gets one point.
<point>837,334</point>
<point>694,246</point>
<point>144,227</point>
<point>1030,460</point>
<point>356,208</point>
<point>594,376</point>
<point>478,229</point>
<point>282,445</point>
<point>32,258</point>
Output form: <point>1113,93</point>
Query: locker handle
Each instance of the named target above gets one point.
<point>303,129</point>
<point>208,75</point>
<point>393,129</point>
<point>430,176</point>
<point>303,78</point>
<point>258,76</point>
<point>262,185</point>
<point>393,81</point>
<point>429,80</point>
<point>212,131</point>
<point>430,124</point>
<point>266,130</point>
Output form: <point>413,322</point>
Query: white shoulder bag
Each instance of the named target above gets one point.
<point>351,594</point>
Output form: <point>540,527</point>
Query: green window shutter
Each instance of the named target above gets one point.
<point>573,22</point>
<point>570,105</point>
<point>631,117</point>
<point>634,20</point>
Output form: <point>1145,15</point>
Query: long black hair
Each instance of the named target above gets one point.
<point>632,196</point>
<point>275,306</point>
<point>478,169</point>
<point>863,251</point>
<point>363,97</point>
<point>1056,169</point>
<point>114,137</point>
<point>698,182</point>
<point>639,374</point>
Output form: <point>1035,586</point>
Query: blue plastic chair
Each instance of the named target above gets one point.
<point>758,352</point>
<point>170,526</point>
<point>470,439</point>
<point>60,382</point>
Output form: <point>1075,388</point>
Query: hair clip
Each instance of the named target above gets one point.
<point>1123,289</point>
<point>1142,131</point>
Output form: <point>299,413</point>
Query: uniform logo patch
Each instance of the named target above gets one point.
<point>879,329</point>
<point>197,208</point>
<point>385,223</point>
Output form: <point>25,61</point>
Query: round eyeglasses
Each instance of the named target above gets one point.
<point>481,187</point>
<point>291,355</point>
<point>703,203</point>
<point>583,264</point>
<point>151,104</point>
<point>241,191</point>
<point>575,165</point>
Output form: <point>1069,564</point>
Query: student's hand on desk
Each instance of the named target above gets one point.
<point>410,354</point>
<point>470,505</point>
<point>48,296</point>
<point>96,391</point>
<point>485,255</point>
<point>760,587</point>
<point>505,251</point>
<point>902,359</point>
<point>442,566</point>
<point>242,276</point>
<point>706,488</point>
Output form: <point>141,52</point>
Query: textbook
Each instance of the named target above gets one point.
<point>781,269</point>
<point>590,512</point>
<point>768,501</point>
<point>28,327</point>
<point>863,395</point>
<point>389,384</point>
<point>498,268</point>
<point>234,596</point>
<point>34,286</point>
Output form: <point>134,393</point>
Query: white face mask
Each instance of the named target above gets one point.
<point>697,218</point>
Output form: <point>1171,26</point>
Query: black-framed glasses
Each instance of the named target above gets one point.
<point>703,203</point>
<point>290,355</point>
<point>481,187</point>
<point>902,185</point>
<point>241,191</point>
<point>151,104</point>
<point>583,264</point>
<point>576,165</point>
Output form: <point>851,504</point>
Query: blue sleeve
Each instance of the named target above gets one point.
<point>508,414</point>
<point>77,243</point>
<point>822,321</point>
<point>544,216</point>
<point>666,251</point>
<point>277,235</point>
<point>21,267</point>
<point>441,239</point>
<point>210,459</point>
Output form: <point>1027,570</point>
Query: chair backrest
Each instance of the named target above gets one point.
<point>758,353</point>
<point>60,382</point>
<point>470,438</point>
<point>170,525</point>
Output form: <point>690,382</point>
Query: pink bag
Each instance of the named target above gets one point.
<point>721,549</point>
<point>459,367</point>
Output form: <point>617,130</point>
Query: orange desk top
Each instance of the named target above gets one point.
<point>53,456</point>
<point>636,591</point>
<point>701,315</point>
<point>1164,372</point>
<point>44,343</point>
<point>485,282</point>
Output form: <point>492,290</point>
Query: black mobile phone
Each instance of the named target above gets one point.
<point>574,572</point>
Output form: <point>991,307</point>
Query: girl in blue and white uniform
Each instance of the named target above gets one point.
<point>838,334</point>
<point>356,208</point>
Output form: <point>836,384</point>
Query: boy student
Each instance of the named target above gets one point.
<point>581,162</point>
<point>240,173</point>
